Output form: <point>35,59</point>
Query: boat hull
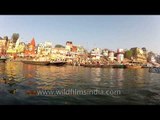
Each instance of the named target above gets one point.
<point>58,63</point>
<point>119,66</point>
<point>154,70</point>
<point>96,66</point>
<point>36,62</point>
<point>3,60</point>
<point>133,66</point>
<point>92,65</point>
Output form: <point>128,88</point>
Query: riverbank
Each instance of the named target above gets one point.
<point>101,63</point>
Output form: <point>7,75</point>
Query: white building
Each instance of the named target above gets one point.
<point>105,52</point>
<point>96,51</point>
<point>44,48</point>
<point>158,59</point>
<point>111,56</point>
<point>153,59</point>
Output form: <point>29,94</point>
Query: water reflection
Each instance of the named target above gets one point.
<point>137,77</point>
<point>2,69</point>
<point>95,74</point>
<point>23,77</point>
<point>140,80</point>
<point>120,76</point>
<point>11,69</point>
<point>111,73</point>
<point>29,71</point>
<point>69,75</point>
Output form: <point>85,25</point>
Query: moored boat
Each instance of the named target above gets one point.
<point>154,70</point>
<point>119,66</point>
<point>36,62</point>
<point>58,63</point>
<point>3,59</point>
<point>148,65</point>
<point>133,66</point>
<point>93,65</point>
<point>107,66</point>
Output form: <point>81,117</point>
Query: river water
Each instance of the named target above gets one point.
<point>135,86</point>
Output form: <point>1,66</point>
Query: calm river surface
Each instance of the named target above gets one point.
<point>137,87</point>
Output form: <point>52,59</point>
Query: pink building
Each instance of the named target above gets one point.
<point>120,55</point>
<point>120,51</point>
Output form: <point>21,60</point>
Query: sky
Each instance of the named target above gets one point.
<point>90,31</point>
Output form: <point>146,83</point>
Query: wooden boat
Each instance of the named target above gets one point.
<point>154,70</point>
<point>133,66</point>
<point>36,62</point>
<point>147,66</point>
<point>107,66</point>
<point>96,66</point>
<point>82,64</point>
<point>58,63</point>
<point>119,66</point>
<point>93,65</point>
<point>3,59</point>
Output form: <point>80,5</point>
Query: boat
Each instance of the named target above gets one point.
<point>35,62</point>
<point>3,58</point>
<point>58,63</point>
<point>154,70</point>
<point>148,65</point>
<point>133,66</point>
<point>93,65</point>
<point>119,66</point>
<point>107,66</point>
<point>82,64</point>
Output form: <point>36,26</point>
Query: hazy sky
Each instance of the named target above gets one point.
<point>104,31</point>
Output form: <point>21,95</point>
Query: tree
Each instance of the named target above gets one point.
<point>144,49</point>
<point>59,46</point>
<point>5,37</point>
<point>15,37</point>
<point>128,54</point>
<point>145,52</point>
<point>150,55</point>
<point>85,51</point>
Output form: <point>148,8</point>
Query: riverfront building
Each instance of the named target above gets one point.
<point>111,56</point>
<point>138,55</point>
<point>105,52</point>
<point>120,55</point>
<point>30,49</point>
<point>3,46</point>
